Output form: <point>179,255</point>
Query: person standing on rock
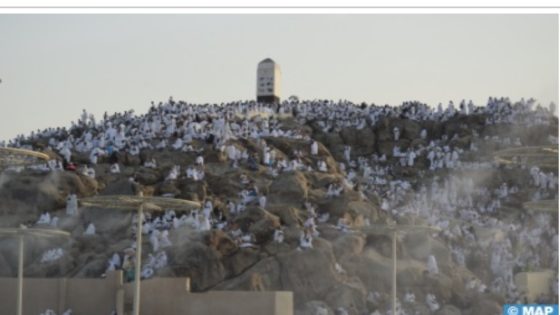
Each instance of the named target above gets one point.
<point>314,148</point>
<point>72,204</point>
<point>396,133</point>
<point>347,150</point>
<point>262,201</point>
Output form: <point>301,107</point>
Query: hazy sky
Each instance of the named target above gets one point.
<point>53,66</point>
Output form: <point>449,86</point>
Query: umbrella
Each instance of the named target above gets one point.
<point>20,157</point>
<point>138,203</point>
<point>20,233</point>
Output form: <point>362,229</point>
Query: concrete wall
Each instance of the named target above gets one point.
<point>534,283</point>
<point>167,296</point>
<point>217,303</point>
<point>83,296</point>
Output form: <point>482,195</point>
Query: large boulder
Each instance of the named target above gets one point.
<point>288,189</point>
<point>419,245</point>
<point>168,187</point>
<point>199,262</point>
<point>148,176</point>
<point>259,222</point>
<point>362,141</point>
<point>225,186</point>
<point>119,187</point>
<point>288,216</point>
<point>221,242</point>
<point>192,190</point>
<point>240,261</point>
<point>348,244</point>
<point>33,193</point>
<point>364,210</point>
<point>266,271</point>
<point>312,273</point>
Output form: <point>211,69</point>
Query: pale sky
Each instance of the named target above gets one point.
<point>53,66</point>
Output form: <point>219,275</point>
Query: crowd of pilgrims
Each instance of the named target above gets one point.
<point>450,200</point>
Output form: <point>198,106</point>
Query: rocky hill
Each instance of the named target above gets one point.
<point>446,173</point>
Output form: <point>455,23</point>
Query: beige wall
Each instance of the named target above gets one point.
<point>534,283</point>
<point>83,296</point>
<point>167,296</point>
<point>217,303</point>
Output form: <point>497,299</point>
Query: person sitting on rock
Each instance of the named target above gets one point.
<point>147,272</point>
<point>111,267</point>
<point>338,268</point>
<point>95,154</point>
<point>432,303</point>
<point>115,260</point>
<point>199,161</point>
<point>306,240</point>
<point>342,224</point>
<point>174,173</point>
<point>310,225</point>
<point>90,230</point>
<point>432,265</point>
<point>52,255</point>
<point>323,217</point>
<point>178,144</point>
<point>151,163</point>
<point>246,240</point>
<point>334,190</point>
<point>89,172</point>
<point>134,150</point>
<point>322,166</point>
<point>45,219</point>
<point>409,297</point>
<point>310,209</point>
<point>115,169</point>
<point>278,235</point>
<point>240,207</point>
<point>188,148</point>
<point>230,205</point>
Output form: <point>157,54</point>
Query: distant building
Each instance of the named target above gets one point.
<point>268,82</point>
